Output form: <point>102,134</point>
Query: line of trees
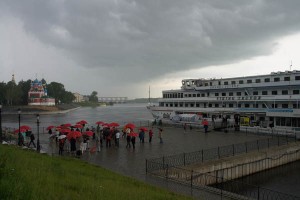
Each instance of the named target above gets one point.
<point>17,94</point>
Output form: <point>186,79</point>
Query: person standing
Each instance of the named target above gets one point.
<point>142,136</point>
<point>184,127</point>
<point>128,137</point>
<point>150,135</point>
<point>160,130</point>
<point>73,145</point>
<point>31,140</point>
<point>61,144</point>
<point>133,142</point>
<point>117,138</point>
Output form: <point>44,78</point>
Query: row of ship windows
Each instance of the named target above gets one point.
<point>231,105</point>
<point>266,80</point>
<point>273,92</point>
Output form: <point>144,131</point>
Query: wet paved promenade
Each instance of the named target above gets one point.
<point>131,162</point>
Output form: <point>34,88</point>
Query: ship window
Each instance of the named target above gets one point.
<point>226,83</point>
<point>297,78</point>
<point>186,105</point>
<point>241,81</point>
<point>223,94</point>
<point>239,105</point>
<point>217,105</point>
<point>206,84</point>
<point>193,82</point>
<point>257,81</point>
<point>238,94</point>
<point>219,83</point>
<point>264,105</point>
<point>285,105</point>
<point>204,105</point>
<point>192,105</point>
<point>198,95</point>
<point>176,105</point>
<point>274,92</point>
<point>190,95</point>
<point>267,80</point>
<point>247,105</point>
<point>210,83</point>
<point>216,94</point>
<point>249,81</point>
<point>256,105</point>
<point>185,95</point>
<point>233,82</point>
<point>285,92</point>
<point>180,105</point>
<point>277,79</point>
<point>167,105</point>
<point>230,105</point>
<point>274,105</point>
<point>295,91</point>
<point>209,105</point>
<point>255,93</point>
<point>183,82</point>
<point>230,94</point>
<point>171,105</point>
<point>194,95</point>
<point>202,95</point>
<point>264,92</point>
<point>287,78</point>
<point>197,105</point>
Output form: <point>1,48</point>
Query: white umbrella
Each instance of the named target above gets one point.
<point>62,137</point>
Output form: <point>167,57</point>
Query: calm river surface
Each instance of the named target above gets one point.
<point>285,179</point>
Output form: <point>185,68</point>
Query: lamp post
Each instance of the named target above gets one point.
<point>38,133</point>
<point>19,135</point>
<point>0,122</point>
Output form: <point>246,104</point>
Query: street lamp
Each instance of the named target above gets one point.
<point>19,113</point>
<point>38,148</point>
<point>0,122</point>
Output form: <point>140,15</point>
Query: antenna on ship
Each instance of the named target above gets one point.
<point>149,96</point>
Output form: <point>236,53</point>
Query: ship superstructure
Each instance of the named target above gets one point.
<point>264,100</point>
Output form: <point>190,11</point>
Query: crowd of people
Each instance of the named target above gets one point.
<point>101,136</point>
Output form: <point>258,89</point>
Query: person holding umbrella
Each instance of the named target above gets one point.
<point>150,135</point>
<point>128,137</point>
<point>31,140</point>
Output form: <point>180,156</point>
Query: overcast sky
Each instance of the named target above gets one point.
<point>120,48</point>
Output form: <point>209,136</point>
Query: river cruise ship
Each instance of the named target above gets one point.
<point>270,100</point>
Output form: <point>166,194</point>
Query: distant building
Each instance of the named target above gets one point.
<point>86,98</point>
<point>78,97</point>
<point>38,95</point>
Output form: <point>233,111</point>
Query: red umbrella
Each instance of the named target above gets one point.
<point>100,123</point>
<point>65,131</point>
<point>74,134</point>
<point>66,125</point>
<point>25,127</point>
<point>21,130</point>
<point>78,126</point>
<point>129,125</point>
<point>82,122</point>
<point>114,124</point>
<point>143,129</point>
<point>88,133</point>
<point>133,134</point>
<point>50,127</point>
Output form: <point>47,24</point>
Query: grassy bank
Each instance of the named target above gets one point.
<point>25,174</point>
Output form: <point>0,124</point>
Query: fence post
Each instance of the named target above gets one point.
<point>191,179</point>
<point>183,159</point>
<point>278,140</point>
<point>246,147</point>
<point>258,192</point>
<point>268,143</point>
<point>218,152</point>
<point>167,172</point>
<point>146,166</point>
<point>202,155</point>
<point>233,149</point>
<point>257,142</point>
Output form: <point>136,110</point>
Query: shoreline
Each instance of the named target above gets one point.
<point>36,110</point>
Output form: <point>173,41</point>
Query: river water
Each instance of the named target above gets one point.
<point>285,179</point>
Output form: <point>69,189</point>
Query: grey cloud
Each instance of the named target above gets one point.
<point>157,37</point>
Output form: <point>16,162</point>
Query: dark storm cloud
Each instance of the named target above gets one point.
<point>157,37</point>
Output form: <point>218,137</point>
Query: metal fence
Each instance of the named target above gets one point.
<point>215,153</point>
<point>224,187</point>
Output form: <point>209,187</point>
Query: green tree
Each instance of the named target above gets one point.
<point>24,89</point>
<point>93,97</point>
<point>12,94</point>
<point>2,93</point>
